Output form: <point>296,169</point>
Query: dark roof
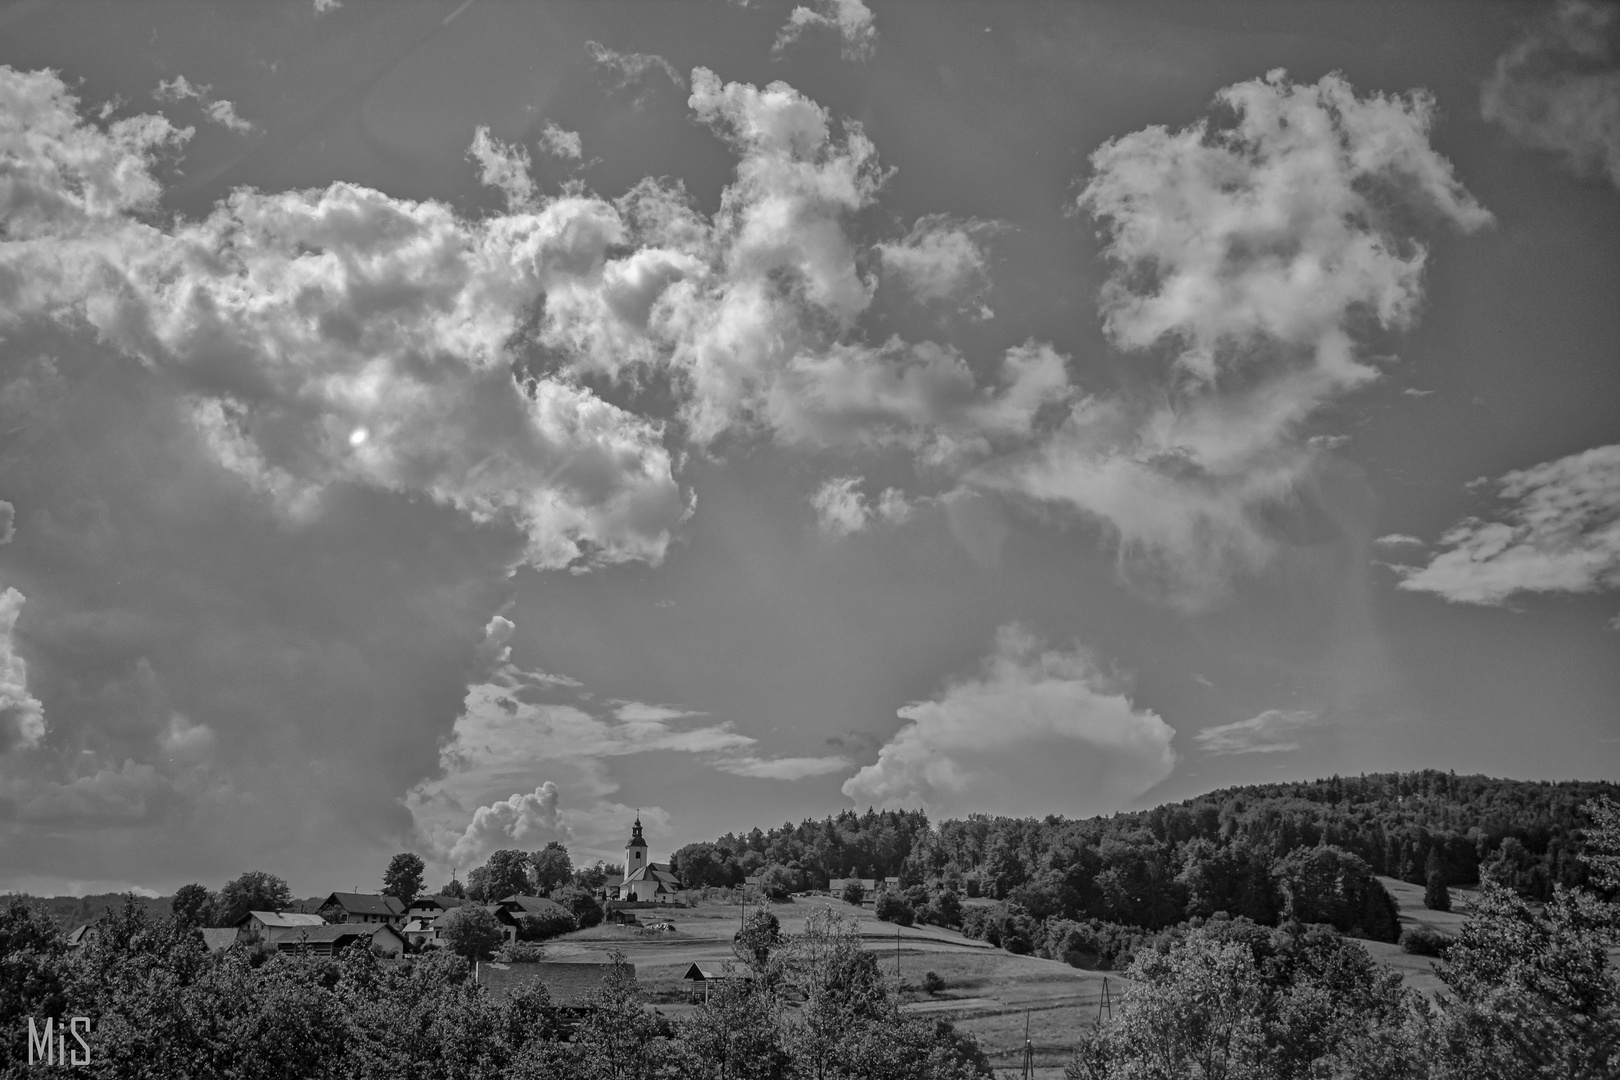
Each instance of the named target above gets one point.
<point>715,971</point>
<point>336,934</point>
<point>438,900</point>
<point>76,935</point>
<point>533,905</point>
<point>366,904</point>
<point>570,984</point>
<point>217,937</point>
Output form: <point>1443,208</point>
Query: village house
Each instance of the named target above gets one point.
<point>264,925</point>
<point>646,882</point>
<point>332,938</point>
<point>518,906</point>
<point>431,906</point>
<point>348,907</point>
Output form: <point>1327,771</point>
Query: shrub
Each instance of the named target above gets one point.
<point>854,893</point>
<point>580,904</point>
<point>473,932</point>
<point>1422,941</point>
<point>544,926</point>
<point>892,907</point>
<point>932,983</point>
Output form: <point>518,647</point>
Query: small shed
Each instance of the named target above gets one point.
<point>217,938</point>
<point>713,972</point>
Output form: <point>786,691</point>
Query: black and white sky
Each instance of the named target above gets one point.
<point>449,426</point>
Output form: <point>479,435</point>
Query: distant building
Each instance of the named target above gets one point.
<point>265,924</point>
<point>332,938</point>
<point>705,974</point>
<point>431,906</point>
<point>348,907</point>
<point>644,881</point>
<point>217,938</point>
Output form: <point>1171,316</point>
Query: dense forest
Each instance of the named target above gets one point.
<point>1099,887</point>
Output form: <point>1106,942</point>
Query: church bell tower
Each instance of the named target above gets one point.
<point>635,852</point>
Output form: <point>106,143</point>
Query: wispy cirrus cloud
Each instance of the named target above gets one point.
<point>1559,532</point>
<point>851,20</point>
<point>632,67</point>
<point>1558,88</point>
<point>1273,731</point>
<point>217,110</point>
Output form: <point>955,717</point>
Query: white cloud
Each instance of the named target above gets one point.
<point>218,110</point>
<point>504,166</point>
<point>1399,540</point>
<point>559,142</point>
<point>1558,88</point>
<point>323,6</point>
<point>940,259</point>
<point>1039,732</point>
<point>1250,253</point>
<point>298,318</point>
<point>634,711</point>
<point>1560,534</point>
<point>8,522</point>
<point>840,507</point>
<point>851,20</point>
<point>527,821</point>
<point>22,717</point>
<point>632,67</point>
<point>1270,732</point>
<point>786,768</point>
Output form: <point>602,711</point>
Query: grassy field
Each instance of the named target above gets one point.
<point>988,992</point>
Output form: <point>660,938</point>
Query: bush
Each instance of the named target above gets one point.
<point>932,983</point>
<point>892,907</point>
<point>854,893</point>
<point>580,904</point>
<point>473,932</point>
<point>1422,941</point>
<point>545,926</point>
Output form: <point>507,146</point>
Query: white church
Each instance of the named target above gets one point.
<point>647,882</point>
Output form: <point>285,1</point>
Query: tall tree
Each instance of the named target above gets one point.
<point>403,878</point>
<point>255,890</point>
<point>192,905</point>
<point>506,873</point>
<point>551,867</point>
<point>473,932</point>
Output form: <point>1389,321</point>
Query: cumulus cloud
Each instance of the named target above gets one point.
<point>1247,255</point>
<point>323,6</point>
<point>559,142</point>
<point>217,110</point>
<point>1559,533</point>
<point>1394,540</point>
<point>22,717</point>
<point>1270,732</point>
<point>339,335</point>
<point>632,67</point>
<point>526,820</point>
<point>840,507</point>
<point>851,20</point>
<point>520,725</point>
<point>1040,731</point>
<point>1558,88</point>
<point>503,166</point>
<point>939,259</point>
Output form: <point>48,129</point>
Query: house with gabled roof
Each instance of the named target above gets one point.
<point>519,905</point>
<point>348,907</point>
<point>332,938</point>
<point>265,924</point>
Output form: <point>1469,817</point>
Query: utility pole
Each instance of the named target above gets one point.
<point>1029,1050</point>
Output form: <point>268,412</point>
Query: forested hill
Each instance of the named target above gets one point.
<point>1155,867</point>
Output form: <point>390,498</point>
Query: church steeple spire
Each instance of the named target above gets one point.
<point>635,835</point>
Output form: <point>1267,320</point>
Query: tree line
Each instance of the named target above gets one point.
<point>161,1005</point>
